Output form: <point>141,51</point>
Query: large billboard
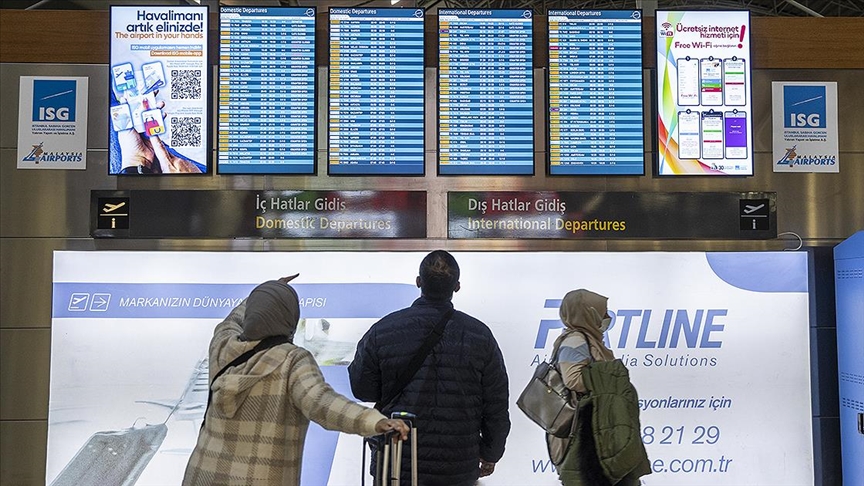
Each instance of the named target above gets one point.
<point>716,343</point>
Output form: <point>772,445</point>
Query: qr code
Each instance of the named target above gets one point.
<point>185,84</point>
<point>186,131</point>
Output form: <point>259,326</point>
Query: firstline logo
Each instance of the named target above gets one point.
<point>646,329</point>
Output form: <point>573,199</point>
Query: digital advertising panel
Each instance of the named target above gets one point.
<point>717,345</point>
<point>595,92</point>
<point>266,90</point>
<point>704,108</point>
<point>376,94</point>
<point>158,103</point>
<point>485,92</point>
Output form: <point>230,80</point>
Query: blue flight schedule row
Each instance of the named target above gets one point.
<point>485,99</point>
<point>266,90</point>
<point>376,92</point>
<point>595,92</point>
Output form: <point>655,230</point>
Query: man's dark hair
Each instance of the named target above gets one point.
<point>439,275</point>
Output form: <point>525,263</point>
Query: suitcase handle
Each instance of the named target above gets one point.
<point>408,417</point>
<point>390,473</point>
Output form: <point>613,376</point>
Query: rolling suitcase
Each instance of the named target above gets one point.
<point>389,460</point>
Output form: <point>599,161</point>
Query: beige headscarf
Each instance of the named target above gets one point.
<point>583,311</point>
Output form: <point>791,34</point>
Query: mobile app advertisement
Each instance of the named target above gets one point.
<point>130,333</point>
<point>158,90</point>
<point>703,67</point>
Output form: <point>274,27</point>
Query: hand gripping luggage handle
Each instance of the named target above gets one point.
<point>394,461</point>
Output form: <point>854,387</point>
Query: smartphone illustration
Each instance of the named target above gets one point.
<point>138,105</point>
<point>712,134</point>
<point>734,79</point>
<point>689,139</point>
<point>154,124</point>
<point>121,117</point>
<point>711,81</point>
<point>688,81</point>
<point>735,134</point>
<point>124,76</point>
<point>154,76</point>
<point>113,457</point>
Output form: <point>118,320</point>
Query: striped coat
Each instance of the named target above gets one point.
<point>260,412</point>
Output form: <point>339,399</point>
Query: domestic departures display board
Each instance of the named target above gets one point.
<point>266,90</point>
<point>703,102</point>
<point>595,92</point>
<point>485,97</point>
<point>376,92</point>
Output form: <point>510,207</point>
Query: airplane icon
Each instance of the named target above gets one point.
<point>108,207</point>
<point>78,302</point>
<point>750,209</point>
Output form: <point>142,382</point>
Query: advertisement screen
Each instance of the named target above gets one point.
<point>376,91</point>
<point>158,90</point>
<point>717,345</point>
<point>595,92</point>
<point>266,90</point>
<point>485,92</point>
<point>703,98</point>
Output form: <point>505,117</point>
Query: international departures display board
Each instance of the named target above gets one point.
<point>485,97</point>
<point>595,92</point>
<point>376,91</point>
<point>266,90</point>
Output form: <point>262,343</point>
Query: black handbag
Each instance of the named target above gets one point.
<point>546,401</point>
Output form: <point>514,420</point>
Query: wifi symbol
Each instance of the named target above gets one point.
<point>666,25</point>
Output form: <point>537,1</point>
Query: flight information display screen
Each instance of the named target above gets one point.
<point>266,90</point>
<point>376,91</point>
<point>595,92</point>
<point>485,98</point>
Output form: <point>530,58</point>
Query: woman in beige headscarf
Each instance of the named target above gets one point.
<point>256,425</point>
<point>585,319</point>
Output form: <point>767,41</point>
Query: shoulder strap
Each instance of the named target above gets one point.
<point>557,348</point>
<point>265,343</point>
<point>409,371</point>
<point>590,355</point>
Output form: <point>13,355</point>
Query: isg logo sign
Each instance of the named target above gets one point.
<point>54,100</point>
<point>804,106</point>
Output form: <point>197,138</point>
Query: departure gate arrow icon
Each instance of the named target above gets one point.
<point>100,302</point>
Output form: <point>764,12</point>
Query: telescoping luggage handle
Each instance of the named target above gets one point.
<point>390,465</point>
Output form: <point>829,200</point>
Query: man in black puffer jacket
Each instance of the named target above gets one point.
<point>459,393</point>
